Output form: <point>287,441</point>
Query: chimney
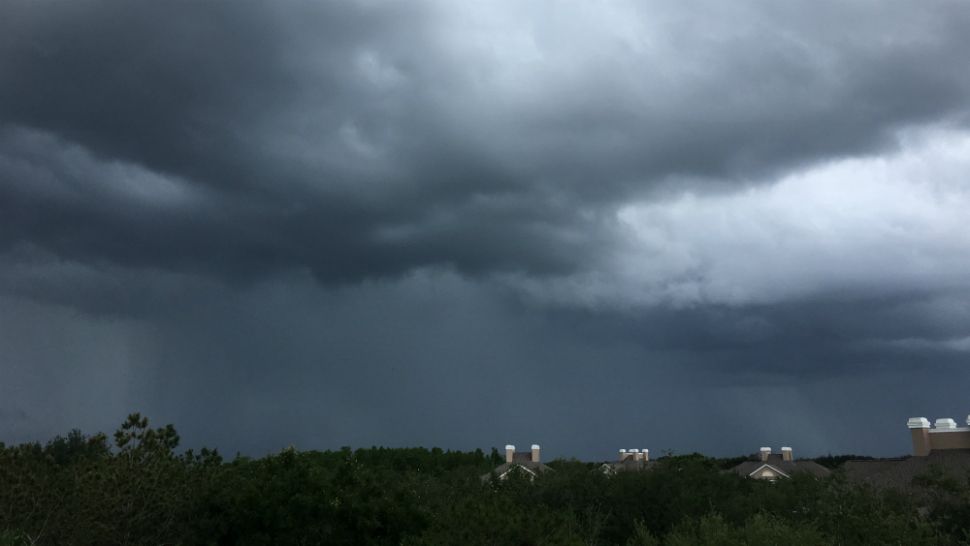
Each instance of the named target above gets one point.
<point>509,453</point>
<point>635,454</point>
<point>646,453</point>
<point>764,453</point>
<point>919,428</point>
<point>535,453</point>
<point>786,454</point>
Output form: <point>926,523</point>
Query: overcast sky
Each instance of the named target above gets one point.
<point>675,225</point>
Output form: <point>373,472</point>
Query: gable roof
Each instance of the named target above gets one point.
<point>528,466</point>
<point>776,470</point>
<point>781,466</point>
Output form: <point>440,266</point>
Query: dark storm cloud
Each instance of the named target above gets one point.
<point>251,108</point>
<point>367,139</point>
<point>367,222</point>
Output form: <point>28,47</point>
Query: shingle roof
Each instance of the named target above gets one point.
<point>899,473</point>
<point>534,468</point>
<point>786,467</point>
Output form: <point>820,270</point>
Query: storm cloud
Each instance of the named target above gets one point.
<point>390,223</point>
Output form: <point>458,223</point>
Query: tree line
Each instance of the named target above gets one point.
<point>137,488</point>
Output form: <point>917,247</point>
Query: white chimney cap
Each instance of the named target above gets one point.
<point>968,419</point>
<point>920,422</point>
<point>786,449</point>
<point>946,423</point>
<point>622,451</point>
<point>634,451</point>
<point>509,447</point>
<point>535,446</point>
<point>768,449</point>
<point>644,450</point>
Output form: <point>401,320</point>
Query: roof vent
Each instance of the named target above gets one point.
<point>946,423</point>
<point>923,422</point>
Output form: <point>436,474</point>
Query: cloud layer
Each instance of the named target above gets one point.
<point>709,207</point>
<point>366,139</point>
<point>863,228</point>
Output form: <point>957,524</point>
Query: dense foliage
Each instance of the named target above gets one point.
<point>138,490</point>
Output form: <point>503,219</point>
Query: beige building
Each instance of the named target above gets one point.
<point>945,435</point>
<point>944,447</point>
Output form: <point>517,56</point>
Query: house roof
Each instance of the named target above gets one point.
<point>627,465</point>
<point>527,465</point>
<point>899,473</point>
<point>777,463</point>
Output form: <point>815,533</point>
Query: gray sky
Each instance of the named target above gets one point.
<point>689,225</point>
